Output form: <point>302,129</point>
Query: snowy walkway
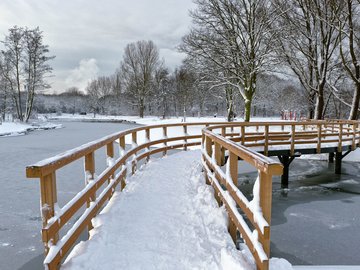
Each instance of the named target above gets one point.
<point>166,218</point>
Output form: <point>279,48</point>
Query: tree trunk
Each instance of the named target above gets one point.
<point>141,108</point>
<point>355,104</point>
<point>184,113</point>
<point>247,110</point>
<point>229,104</point>
<point>319,107</point>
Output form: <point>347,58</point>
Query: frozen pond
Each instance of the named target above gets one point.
<point>315,222</point>
<point>20,222</point>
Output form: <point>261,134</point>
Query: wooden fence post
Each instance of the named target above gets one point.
<point>134,144</point>
<point>292,143</point>
<point>266,140</point>
<point>122,152</point>
<point>340,137</point>
<point>217,149</point>
<point>223,133</point>
<point>242,135</point>
<point>318,148</point>
<point>233,167</point>
<point>265,204</point>
<point>89,174</point>
<point>147,136</point>
<point>185,134</point>
<point>208,146</point>
<point>353,145</point>
<point>110,156</point>
<point>48,201</point>
<point>165,136</point>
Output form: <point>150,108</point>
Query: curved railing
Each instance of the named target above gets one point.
<point>219,140</point>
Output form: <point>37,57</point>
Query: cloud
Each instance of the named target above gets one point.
<point>83,74</point>
<point>80,29</point>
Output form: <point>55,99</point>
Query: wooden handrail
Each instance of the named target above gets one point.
<point>223,136</point>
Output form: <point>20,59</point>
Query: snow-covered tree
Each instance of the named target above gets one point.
<point>138,67</point>
<point>24,66</point>
<point>308,40</point>
<point>237,38</point>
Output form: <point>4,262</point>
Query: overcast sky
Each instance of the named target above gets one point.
<point>88,36</point>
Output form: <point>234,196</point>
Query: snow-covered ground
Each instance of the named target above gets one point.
<point>147,120</point>
<point>17,128</point>
<point>166,218</point>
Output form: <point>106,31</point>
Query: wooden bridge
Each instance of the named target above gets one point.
<point>222,144</point>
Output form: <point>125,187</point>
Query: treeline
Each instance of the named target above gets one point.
<point>249,57</point>
<point>314,41</point>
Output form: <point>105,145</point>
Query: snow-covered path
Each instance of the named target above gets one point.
<point>166,218</point>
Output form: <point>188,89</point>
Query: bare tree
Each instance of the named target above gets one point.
<point>11,68</point>
<point>308,39</point>
<point>36,65</point>
<point>162,84</point>
<point>237,38</point>
<point>140,61</point>
<point>94,95</point>
<point>24,66</point>
<point>349,28</point>
<point>184,83</point>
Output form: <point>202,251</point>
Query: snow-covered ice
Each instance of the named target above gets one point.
<point>17,128</point>
<point>166,218</point>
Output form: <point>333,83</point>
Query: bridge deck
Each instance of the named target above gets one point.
<point>166,218</point>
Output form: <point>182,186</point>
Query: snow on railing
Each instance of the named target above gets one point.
<point>118,165</point>
<point>140,143</point>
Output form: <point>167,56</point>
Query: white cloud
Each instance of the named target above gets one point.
<point>85,29</point>
<point>84,73</point>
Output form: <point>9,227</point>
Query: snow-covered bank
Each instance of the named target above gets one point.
<point>148,120</point>
<point>166,218</point>
<point>17,129</point>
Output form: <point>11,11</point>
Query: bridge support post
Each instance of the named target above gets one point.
<point>331,157</point>
<point>338,159</point>
<point>286,161</point>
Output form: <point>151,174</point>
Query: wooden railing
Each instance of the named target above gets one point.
<point>235,138</point>
<point>258,211</point>
<point>316,135</point>
<point>155,139</point>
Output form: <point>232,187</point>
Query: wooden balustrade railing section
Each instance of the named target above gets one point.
<point>54,218</point>
<point>225,183</point>
<point>235,138</point>
<point>291,135</point>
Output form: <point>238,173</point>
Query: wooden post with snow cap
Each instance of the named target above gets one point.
<point>233,167</point>
<point>48,201</point>
<point>134,143</point>
<point>318,147</point>
<point>147,137</point>
<point>242,134</point>
<point>89,175</point>
<point>292,142</point>
<point>265,184</point>
<point>122,152</point>
<point>266,140</point>
<point>165,136</point>
<point>185,134</point>
<point>354,127</point>
<point>217,149</point>
<point>223,133</point>
<point>110,156</point>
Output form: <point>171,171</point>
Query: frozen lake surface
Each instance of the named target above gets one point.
<point>20,222</point>
<point>315,222</point>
